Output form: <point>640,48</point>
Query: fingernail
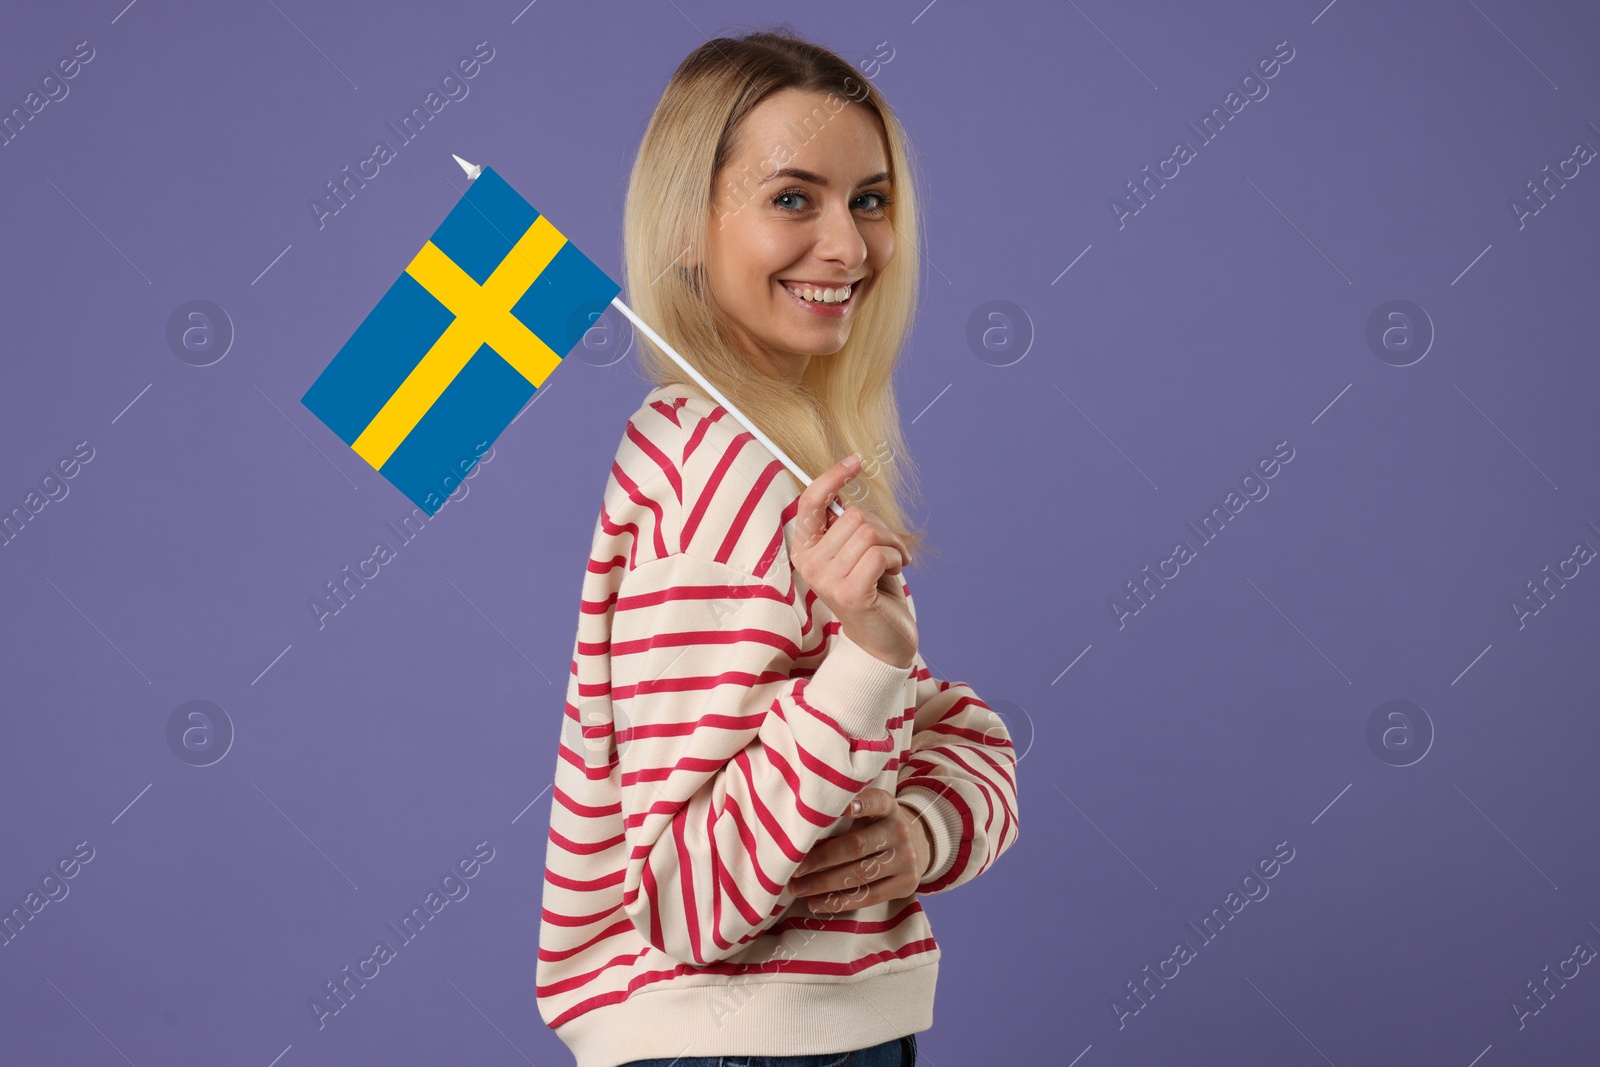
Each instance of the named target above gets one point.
<point>805,865</point>
<point>855,807</point>
<point>853,460</point>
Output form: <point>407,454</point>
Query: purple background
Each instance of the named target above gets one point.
<point>1230,714</point>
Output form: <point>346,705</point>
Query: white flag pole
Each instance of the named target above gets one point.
<point>716,395</point>
<point>473,170</point>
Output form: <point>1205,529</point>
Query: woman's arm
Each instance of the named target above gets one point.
<point>730,770</point>
<point>961,777</point>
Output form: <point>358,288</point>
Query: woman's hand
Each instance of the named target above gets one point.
<point>882,857</point>
<point>851,564</point>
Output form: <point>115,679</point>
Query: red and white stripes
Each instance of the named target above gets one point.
<point>717,725</point>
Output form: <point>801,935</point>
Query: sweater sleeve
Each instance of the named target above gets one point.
<point>961,776</point>
<point>731,769</point>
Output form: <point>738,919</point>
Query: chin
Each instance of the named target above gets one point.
<point>815,346</point>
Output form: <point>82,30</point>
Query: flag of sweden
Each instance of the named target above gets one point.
<point>460,342</point>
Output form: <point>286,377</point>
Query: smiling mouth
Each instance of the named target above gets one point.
<point>828,301</point>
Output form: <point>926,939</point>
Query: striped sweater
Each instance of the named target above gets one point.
<point>718,723</point>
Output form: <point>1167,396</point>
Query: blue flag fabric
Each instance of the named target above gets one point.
<point>471,329</point>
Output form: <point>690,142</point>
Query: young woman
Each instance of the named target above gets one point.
<point>758,775</point>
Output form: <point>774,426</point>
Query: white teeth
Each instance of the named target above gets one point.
<point>821,296</point>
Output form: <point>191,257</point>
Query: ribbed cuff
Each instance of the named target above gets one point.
<point>858,689</point>
<point>943,822</point>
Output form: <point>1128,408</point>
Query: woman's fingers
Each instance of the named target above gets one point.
<point>874,571</point>
<point>812,510</point>
<point>901,553</point>
<point>871,832</point>
<point>875,803</point>
<point>886,875</point>
<point>858,561</point>
<point>845,545</point>
<point>883,533</point>
<point>849,563</point>
<point>874,861</point>
<point>816,519</point>
<point>860,840</point>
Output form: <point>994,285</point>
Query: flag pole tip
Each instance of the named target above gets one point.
<point>472,169</point>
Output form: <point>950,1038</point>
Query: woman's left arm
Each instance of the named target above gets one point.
<point>961,776</point>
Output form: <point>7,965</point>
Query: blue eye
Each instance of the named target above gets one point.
<point>876,201</point>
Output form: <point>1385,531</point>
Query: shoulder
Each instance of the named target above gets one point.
<point>690,478</point>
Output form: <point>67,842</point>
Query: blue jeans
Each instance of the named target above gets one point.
<point>897,1052</point>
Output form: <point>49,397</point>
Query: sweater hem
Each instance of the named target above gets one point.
<point>757,1017</point>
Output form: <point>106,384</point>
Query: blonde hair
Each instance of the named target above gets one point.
<point>846,402</point>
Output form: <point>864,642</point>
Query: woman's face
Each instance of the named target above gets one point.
<point>799,209</point>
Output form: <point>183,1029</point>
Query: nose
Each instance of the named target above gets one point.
<point>839,238</point>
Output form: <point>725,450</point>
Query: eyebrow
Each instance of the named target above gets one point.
<point>817,179</point>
